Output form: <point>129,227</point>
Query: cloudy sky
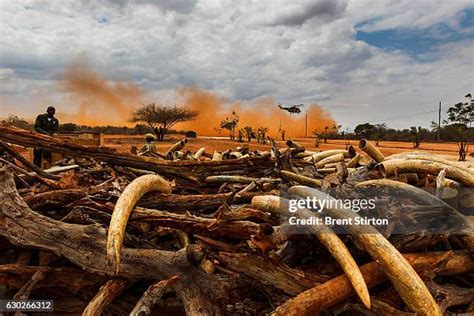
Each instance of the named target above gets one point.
<point>363,60</point>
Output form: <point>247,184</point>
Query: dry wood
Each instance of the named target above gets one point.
<point>328,238</point>
<point>107,293</point>
<point>323,296</point>
<point>152,296</point>
<point>187,169</point>
<point>408,284</point>
<point>247,259</point>
<point>26,163</point>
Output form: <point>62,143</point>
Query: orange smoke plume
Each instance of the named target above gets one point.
<point>100,101</point>
<point>263,112</point>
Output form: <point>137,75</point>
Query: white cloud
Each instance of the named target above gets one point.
<point>389,14</point>
<point>299,51</point>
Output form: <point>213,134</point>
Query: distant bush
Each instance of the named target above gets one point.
<point>16,121</point>
<point>191,134</point>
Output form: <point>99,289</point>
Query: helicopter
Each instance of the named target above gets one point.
<point>295,108</point>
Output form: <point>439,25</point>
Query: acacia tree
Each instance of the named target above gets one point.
<point>161,118</point>
<point>230,123</point>
<point>249,132</point>
<point>461,115</point>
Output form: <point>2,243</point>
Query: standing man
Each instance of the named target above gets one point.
<point>45,124</point>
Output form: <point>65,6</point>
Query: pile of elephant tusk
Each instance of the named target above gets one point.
<point>211,234</point>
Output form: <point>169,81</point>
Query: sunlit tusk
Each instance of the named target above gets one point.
<point>303,180</point>
<point>124,206</point>
<point>217,156</point>
<point>178,146</point>
<point>330,159</point>
<point>371,150</point>
<point>354,161</point>
<point>199,153</point>
<point>404,278</point>
<point>235,155</point>
<point>420,193</point>
<point>278,205</point>
<point>293,144</point>
<point>324,154</point>
<point>388,168</point>
<point>422,156</point>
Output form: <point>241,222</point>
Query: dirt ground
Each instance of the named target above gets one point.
<point>124,143</point>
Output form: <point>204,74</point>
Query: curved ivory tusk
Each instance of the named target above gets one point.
<point>388,168</point>
<point>124,206</point>
<point>293,144</point>
<point>354,161</point>
<point>217,156</point>
<point>330,159</point>
<point>421,156</point>
<point>327,237</point>
<point>403,277</point>
<point>304,154</point>
<point>420,193</point>
<point>300,179</point>
<point>324,154</point>
<point>371,150</point>
<point>178,146</point>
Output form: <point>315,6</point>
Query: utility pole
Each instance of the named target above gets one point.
<point>439,122</point>
<point>306,125</point>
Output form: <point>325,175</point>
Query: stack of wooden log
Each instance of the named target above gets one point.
<point>114,234</point>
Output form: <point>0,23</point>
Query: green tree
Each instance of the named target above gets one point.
<point>461,116</point>
<point>364,130</point>
<point>67,128</point>
<point>230,123</point>
<point>248,132</point>
<point>161,118</point>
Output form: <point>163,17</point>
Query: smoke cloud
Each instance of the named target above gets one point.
<point>104,102</point>
<point>99,101</point>
<point>263,112</point>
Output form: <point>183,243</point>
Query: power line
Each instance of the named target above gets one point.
<point>387,119</point>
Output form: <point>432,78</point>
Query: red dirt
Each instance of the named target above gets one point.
<point>123,144</point>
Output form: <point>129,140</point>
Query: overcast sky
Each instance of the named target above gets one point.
<point>362,60</point>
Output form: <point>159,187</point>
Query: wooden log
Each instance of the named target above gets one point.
<point>152,296</point>
<point>190,170</point>
<point>197,225</point>
<point>84,245</point>
<point>72,279</point>
<point>269,272</point>
<point>328,238</point>
<point>408,284</point>
<point>323,296</point>
<point>26,163</point>
<point>107,293</point>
